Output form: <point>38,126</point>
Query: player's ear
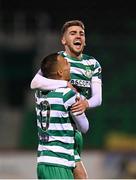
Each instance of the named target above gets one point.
<point>63,41</point>
<point>60,73</point>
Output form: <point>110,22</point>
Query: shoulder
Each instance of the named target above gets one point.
<point>88,57</point>
<point>91,60</point>
<point>67,93</point>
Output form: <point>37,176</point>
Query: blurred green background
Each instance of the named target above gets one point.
<point>30,31</point>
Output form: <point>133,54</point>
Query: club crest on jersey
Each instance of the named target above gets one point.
<point>88,72</point>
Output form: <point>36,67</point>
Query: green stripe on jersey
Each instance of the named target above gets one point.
<point>55,119</point>
<point>58,143</point>
<point>62,133</point>
<point>56,107</point>
<point>69,95</point>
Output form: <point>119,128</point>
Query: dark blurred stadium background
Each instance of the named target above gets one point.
<point>30,29</point>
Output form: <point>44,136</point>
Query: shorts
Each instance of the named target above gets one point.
<point>45,171</point>
<point>78,145</point>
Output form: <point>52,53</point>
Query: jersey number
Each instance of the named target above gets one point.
<point>45,120</point>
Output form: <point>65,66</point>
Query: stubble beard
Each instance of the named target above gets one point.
<point>74,52</point>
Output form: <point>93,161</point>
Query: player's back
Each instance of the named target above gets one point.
<point>55,130</point>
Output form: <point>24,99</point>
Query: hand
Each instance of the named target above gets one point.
<point>80,106</point>
<point>70,86</point>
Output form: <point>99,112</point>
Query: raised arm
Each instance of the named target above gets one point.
<point>40,82</point>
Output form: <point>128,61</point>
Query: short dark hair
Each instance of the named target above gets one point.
<point>71,23</point>
<point>48,64</point>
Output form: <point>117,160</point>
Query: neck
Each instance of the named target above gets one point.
<point>69,53</point>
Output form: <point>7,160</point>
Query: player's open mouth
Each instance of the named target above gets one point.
<point>77,44</point>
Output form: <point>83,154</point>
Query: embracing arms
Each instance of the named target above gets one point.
<point>40,82</point>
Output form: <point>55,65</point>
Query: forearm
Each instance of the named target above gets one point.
<point>96,98</point>
<point>40,82</point>
<point>81,122</point>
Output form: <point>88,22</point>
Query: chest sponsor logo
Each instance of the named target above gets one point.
<point>81,83</point>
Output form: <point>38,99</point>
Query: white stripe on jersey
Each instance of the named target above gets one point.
<point>57,126</point>
<point>76,70</point>
<point>56,160</point>
<point>77,157</point>
<point>50,100</point>
<point>56,149</point>
<point>54,113</point>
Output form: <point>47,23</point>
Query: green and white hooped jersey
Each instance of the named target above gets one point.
<point>83,73</point>
<point>55,129</point>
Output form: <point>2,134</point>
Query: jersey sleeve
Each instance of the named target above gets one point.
<point>69,98</point>
<point>96,99</point>
<point>81,122</point>
<point>97,73</point>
